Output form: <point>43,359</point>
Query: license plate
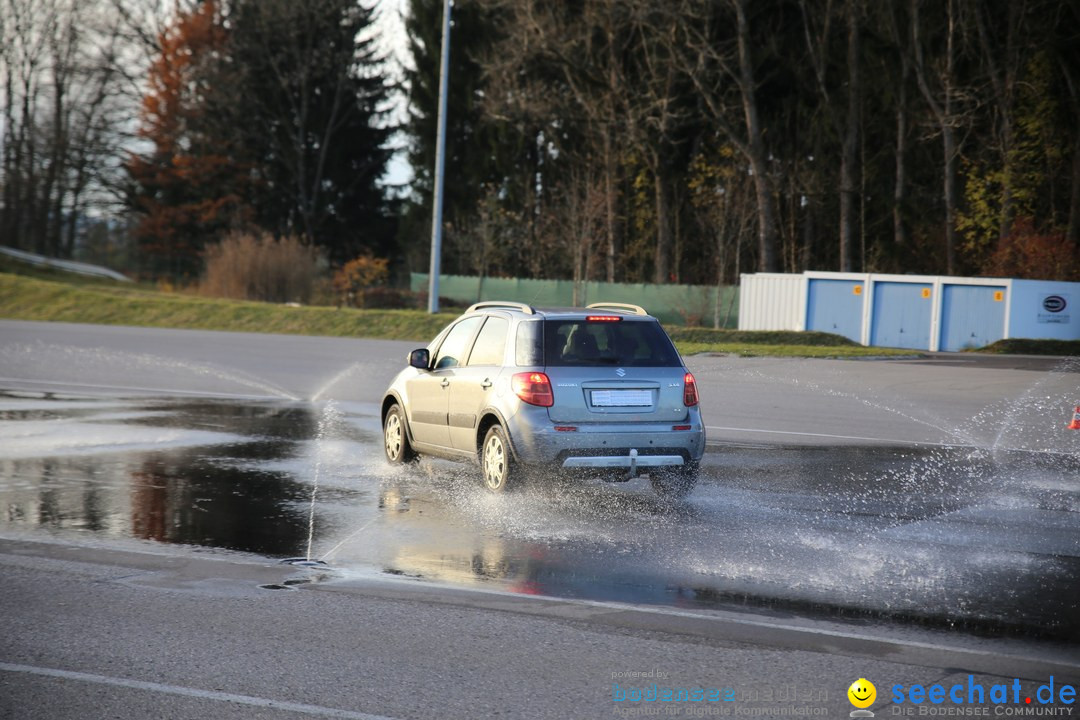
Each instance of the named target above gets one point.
<point>622,398</point>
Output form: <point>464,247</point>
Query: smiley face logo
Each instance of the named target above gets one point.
<point>862,693</point>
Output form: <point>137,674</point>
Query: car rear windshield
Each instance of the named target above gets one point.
<point>627,343</point>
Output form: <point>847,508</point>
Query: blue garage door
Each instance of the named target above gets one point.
<point>971,316</point>
<point>835,306</point>
<point>902,315</point>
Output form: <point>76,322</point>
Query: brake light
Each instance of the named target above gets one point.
<point>533,388</point>
<point>603,318</point>
<point>689,393</point>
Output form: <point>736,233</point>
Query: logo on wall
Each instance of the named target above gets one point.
<point>1054,310</point>
<point>1054,304</point>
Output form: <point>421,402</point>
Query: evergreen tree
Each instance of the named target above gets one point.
<point>303,93</point>
<point>190,187</point>
<point>267,113</point>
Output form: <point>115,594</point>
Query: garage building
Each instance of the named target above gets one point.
<point>918,312</point>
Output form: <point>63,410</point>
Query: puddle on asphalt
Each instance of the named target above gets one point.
<point>184,473</point>
<point>962,536</point>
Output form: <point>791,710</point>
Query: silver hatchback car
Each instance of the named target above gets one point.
<point>584,391</point>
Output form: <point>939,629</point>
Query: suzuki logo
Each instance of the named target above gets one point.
<point>620,372</point>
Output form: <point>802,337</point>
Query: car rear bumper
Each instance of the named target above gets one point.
<point>596,446</point>
<point>630,460</point>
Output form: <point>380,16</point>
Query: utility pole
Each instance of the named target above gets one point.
<point>440,168</point>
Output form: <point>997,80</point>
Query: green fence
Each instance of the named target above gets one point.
<point>673,304</point>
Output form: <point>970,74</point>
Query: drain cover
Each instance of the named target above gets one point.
<point>303,562</point>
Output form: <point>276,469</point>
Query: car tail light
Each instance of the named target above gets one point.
<point>533,388</point>
<point>603,318</point>
<point>689,393</point>
<point>682,427</point>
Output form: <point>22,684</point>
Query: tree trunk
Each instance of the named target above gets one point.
<point>663,226</point>
<point>7,212</point>
<point>609,205</point>
<point>1073,231</point>
<point>849,159</point>
<point>808,236</point>
<point>943,116</point>
<point>768,260</point>
<point>900,235</point>
<point>949,143</point>
<point>721,257</point>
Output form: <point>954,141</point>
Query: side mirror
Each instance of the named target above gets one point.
<point>420,359</point>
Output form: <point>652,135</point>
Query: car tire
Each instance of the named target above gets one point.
<point>676,483</point>
<point>396,437</point>
<point>500,472</point>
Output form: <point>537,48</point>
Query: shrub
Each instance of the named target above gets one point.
<point>244,266</point>
<point>386,298</point>
<point>357,276</point>
<point>1027,253</point>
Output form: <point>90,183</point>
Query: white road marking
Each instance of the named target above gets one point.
<point>190,692</point>
<point>134,388</point>
<point>894,441</point>
<point>836,437</point>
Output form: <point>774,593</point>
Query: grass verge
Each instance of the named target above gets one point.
<point>50,295</point>
<point>24,298</point>
<point>35,298</point>
<point>751,349</point>
<point>776,343</point>
<point>1022,346</point>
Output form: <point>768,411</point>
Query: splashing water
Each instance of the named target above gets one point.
<point>329,421</point>
<point>355,367</point>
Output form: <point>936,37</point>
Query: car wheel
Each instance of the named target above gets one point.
<point>396,438</point>
<point>496,461</point>
<point>675,483</point>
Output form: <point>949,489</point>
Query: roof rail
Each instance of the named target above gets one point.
<point>527,309</point>
<point>636,309</point>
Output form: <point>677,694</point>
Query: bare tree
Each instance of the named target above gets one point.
<point>817,24</point>
<point>938,84</point>
<point>1002,67</point>
<point>715,62</point>
<point>61,105</point>
<point>556,63</point>
<point>657,111</point>
<point>901,41</point>
<point>1072,231</point>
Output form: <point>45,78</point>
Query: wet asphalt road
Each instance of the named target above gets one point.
<point>929,501</point>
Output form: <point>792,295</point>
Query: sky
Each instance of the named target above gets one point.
<point>393,40</point>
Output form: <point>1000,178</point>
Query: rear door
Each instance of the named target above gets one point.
<point>613,369</point>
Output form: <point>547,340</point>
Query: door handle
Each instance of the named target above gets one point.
<point>486,384</point>
<point>445,382</point>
